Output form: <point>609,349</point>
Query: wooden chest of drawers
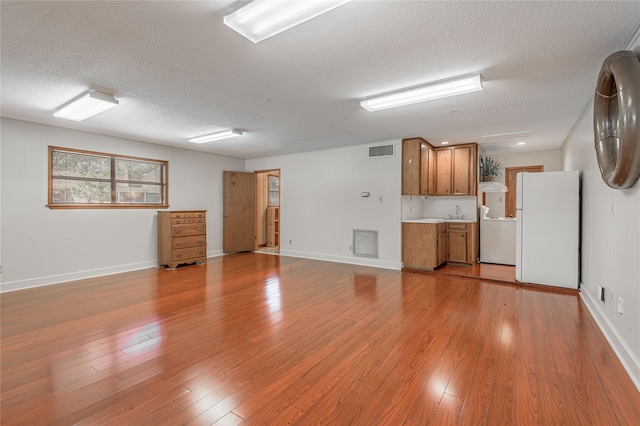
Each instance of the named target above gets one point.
<point>182,237</point>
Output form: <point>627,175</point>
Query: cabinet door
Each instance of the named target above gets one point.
<point>457,247</point>
<point>427,170</point>
<point>419,248</point>
<point>442,248</point>
<point>431,177</point>
<point>443,171</point>
<point>462,171</point>
<point>411,167</point>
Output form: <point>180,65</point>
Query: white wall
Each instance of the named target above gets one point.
<point>321,203</point>
<point>42,246</point>
<point>610,247</point>
<point>551,160</point>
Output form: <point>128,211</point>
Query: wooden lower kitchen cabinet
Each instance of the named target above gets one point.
<point>182,237</point>
<point>463,242</point>
<point>423,245</point>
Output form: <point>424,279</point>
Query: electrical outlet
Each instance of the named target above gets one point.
<point>601,293</point>
<point>620,305</point>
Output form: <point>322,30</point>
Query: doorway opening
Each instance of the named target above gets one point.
<point>268,211</point>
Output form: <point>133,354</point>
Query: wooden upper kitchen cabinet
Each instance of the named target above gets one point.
<point>463,242</point>
<point>422,245</point>
<point>418,167</point>
<point>456,170</point>
<point>182,237</point>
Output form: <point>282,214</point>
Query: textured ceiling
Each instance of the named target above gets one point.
<point>179,72</point>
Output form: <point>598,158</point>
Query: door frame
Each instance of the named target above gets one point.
<point>510,201</point>
<point>269,172</point>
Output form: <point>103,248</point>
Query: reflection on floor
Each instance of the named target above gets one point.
<point>489,271</point>
<point>273,250</point>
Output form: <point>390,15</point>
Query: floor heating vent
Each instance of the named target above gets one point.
<point>381,151</point>
<point>365,243</point>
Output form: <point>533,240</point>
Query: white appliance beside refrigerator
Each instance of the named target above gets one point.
<point>548,228</point>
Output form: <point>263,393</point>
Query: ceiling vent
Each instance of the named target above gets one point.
<point>381,151</point>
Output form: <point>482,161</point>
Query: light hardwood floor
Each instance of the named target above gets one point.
<point>254,339</point>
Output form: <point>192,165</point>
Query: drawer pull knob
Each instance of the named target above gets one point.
<point>200,252</point>
<point>179,231</point>
<point>178,244</point>
<point>178,216</point>
<point>178,255</point>
<point>199,229</point>
<point>200,241</point>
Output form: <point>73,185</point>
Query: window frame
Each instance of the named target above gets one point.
<point>164,184</point>
<point>269,192</point>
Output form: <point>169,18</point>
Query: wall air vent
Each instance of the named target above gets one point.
<point>381,151</point>
<point>365,243</point>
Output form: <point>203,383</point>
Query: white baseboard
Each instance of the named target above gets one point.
<point>344,259</point>
<point>626,357</point>
<point>91,273</point>
<point>73,276</point>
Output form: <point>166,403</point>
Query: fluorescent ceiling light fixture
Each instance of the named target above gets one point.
<point>507,136</point>
<point>427,92</point>
<point>262,19</point>
<point>216,136</point>
<point>521,143</point>
<point>86,105</point>
<point>444,143</point>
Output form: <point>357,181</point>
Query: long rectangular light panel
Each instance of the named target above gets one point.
<point>262,19</point>
<point>427,92</point>
<point>216,136</point>
<point>85,106</point>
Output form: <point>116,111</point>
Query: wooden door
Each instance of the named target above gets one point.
<point>510,182</point>
<point>462,171</point>
<point>239,212</point>
<point>443,171</point>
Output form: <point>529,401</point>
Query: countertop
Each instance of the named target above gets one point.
<point>438,220</point>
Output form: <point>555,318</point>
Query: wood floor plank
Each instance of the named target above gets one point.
<point>254,339</point>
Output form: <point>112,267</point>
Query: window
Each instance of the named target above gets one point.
<point>85,179</point>
<point>274,190</point>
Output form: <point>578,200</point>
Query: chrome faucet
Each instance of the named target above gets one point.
<point>457,211</point>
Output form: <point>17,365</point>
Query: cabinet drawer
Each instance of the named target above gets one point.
<point>186,242</point>
<point>181,221</point>
<point>188,230</point>
<point>201,219</point>
<point>188,253</point>
<point>200,215</point>
<point>456,226</point>
<point>181,215</point>
<point>442,228</point>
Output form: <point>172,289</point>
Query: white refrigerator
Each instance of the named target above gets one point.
<point>548,228</point>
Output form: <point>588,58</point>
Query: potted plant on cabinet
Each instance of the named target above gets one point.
<point>489,169</point>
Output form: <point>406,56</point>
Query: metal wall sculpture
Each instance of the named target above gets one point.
<point>616,119</point>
